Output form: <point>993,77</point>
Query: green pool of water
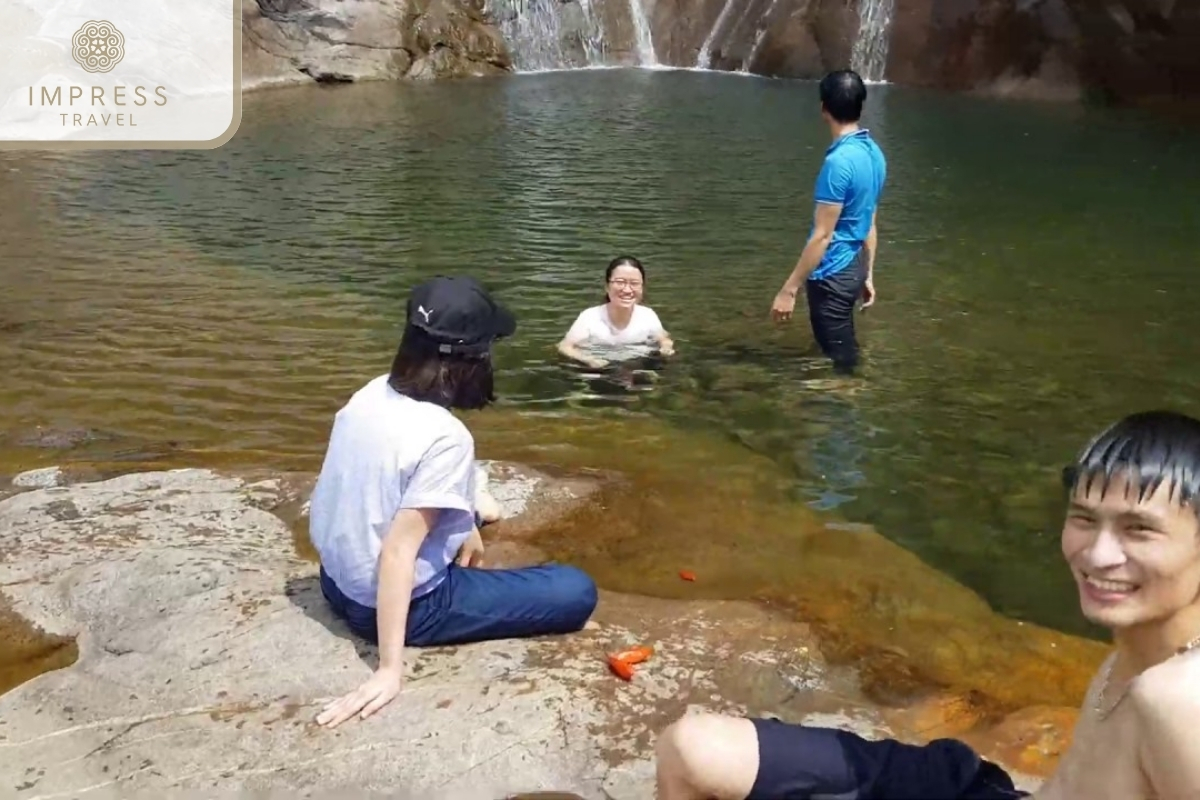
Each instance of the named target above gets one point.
<point>1034,278</point>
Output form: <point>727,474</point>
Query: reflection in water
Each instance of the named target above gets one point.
<point>230,300</point>
<point>836,446</point>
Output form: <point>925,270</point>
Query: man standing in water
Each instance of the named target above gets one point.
<point>838,262</point>
<point>1132,542</point>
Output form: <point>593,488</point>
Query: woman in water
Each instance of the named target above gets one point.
<point>620,328</point>
<point>393,512</point>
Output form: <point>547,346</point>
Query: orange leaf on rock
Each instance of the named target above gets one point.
<point>634,655</point>
<point>687,575</point>
<point>622,669</point>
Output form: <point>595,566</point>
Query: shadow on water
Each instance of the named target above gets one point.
<point>616,385</point>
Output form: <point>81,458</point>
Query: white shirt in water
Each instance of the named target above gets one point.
<point>388,452</point>
<point>594,331</point>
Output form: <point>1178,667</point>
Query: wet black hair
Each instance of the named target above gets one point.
<point>1146,449</point>
<point>843,94</point>
<point>421,372</point>
<point>622,261</point>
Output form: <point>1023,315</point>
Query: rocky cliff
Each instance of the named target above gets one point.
<point>1126,50</point>
<point>1122,51</point>
<point>289,41</point>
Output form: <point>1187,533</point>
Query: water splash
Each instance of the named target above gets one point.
<point>870,53</point>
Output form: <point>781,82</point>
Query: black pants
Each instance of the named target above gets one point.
<point>831,303</point>
<point>797,762</point>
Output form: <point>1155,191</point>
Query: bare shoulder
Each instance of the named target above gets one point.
<point>1166,705</point>
<point>1173,683</point>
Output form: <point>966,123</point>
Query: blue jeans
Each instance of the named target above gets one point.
<point>474,605</point>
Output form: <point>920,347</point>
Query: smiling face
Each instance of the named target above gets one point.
<point>1135,561</point>
<point>625,286</point>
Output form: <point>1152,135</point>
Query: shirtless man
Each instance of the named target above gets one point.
<point>1132,541</point>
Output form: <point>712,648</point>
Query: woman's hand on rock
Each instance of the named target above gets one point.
<point>471,552</point>
<point>379,690</point>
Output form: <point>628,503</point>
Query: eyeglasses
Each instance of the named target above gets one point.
<point>625,283</point>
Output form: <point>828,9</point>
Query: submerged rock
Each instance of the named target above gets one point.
<point>206,648</point>
<point>54,438</point>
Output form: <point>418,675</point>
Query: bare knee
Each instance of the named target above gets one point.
<point>707,756</point>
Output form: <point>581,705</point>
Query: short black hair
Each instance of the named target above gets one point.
<point>421,372</point>
<point>1146,449</point>
<point>843,94</point>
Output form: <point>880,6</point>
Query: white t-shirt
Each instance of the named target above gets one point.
<point>594,330</point>
<point>388,452</point>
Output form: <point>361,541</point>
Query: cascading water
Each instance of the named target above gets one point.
<point>704,57</point>
<point>594,46</point>
<point>869,56</point>
<point>567,34</point>
<point>760,35</point>
<point>550,34</point>
<point>642,36</point>
<point>737,35</point>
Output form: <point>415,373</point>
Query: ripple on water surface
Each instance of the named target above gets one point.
<point>229,300</point>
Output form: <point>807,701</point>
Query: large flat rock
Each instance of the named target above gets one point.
<point>205,650</point>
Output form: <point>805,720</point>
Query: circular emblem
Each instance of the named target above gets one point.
<point>98,46</point>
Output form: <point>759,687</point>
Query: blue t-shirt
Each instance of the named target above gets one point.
<point>853,175</point>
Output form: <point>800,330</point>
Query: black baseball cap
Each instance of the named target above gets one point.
<point>458,315</point>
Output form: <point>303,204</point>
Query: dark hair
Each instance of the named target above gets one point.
<point>622,261</point>
<point>843,94</point>
<point>419,371</point>
<point>1146,449</point>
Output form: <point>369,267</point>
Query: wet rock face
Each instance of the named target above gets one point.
<point>333,41</point>
<point>998,46</point>
<point>1140,49</point>
<point>1125,51</point>
<point>780,38</point>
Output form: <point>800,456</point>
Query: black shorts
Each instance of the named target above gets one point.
<point>797,762</point>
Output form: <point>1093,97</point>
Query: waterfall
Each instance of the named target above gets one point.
<point>641,29</point>
<point>869,57</point>
<point>594,46</point>
<point>704,57</point>
<point>760,35</point>
<point>550,34</point>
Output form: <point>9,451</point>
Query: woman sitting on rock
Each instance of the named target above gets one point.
<point>622,327</point>
<point>393,511</point>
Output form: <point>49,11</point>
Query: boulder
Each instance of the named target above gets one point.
<point>205,649</point>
